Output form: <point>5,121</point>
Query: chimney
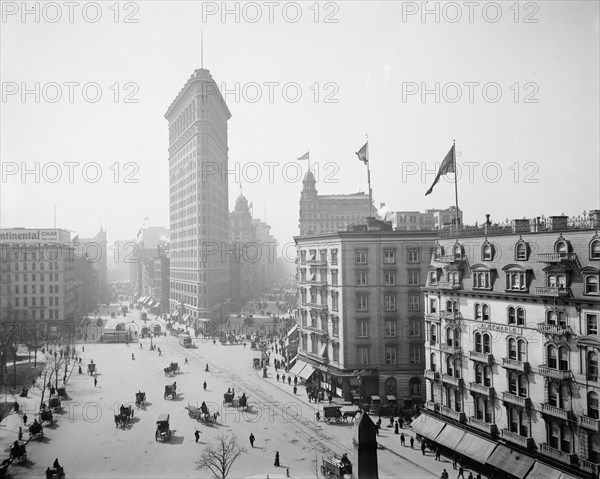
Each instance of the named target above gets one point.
<point>558,222</point>
<point>520,226</point>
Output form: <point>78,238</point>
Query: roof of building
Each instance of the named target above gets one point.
<point>241,204</point>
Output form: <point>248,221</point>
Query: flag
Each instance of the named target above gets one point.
<point>305,156</point>
<point>363,153</point>
<point>447,166</point>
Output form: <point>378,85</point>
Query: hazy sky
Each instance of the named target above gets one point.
<point>517,88</point>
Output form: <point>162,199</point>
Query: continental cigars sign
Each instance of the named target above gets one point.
<point>33,236</point>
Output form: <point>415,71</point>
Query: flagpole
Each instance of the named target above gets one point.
<point>456,216</point>
<point>370,190</point>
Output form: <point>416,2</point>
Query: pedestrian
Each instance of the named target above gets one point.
<point>141,345</point>
<point>290,381</point>
<point>16,407</point>
<point>402,440</point>
<point>470,475</point>
<point>295,389</point>
<point>251,439</point>
<point>204,385</point>
<point>277,377</point>
<point>454,462</point>
<point>330,398</point>
<point>444,475</point>
<point>20,433</point>
<point>25,419</point>
<point>461,472</point>
<point>197,434</point>
<point>295,380</point>
<point>423,447</point>
<point>95,382</point>
<point>412,442</point>
<point>396,428</point>
<point>276,464</point>
<point>283,377</point>
<point>80,371</point>
<point>437,453</point>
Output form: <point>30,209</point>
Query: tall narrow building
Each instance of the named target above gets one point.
<point>198,197</point>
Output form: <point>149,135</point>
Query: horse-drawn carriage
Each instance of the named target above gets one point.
<point>349,412</point>
<point>336,468</point>
<point>140,399</point>
<point>57,472</point>
<point>332,414</point>
<point>256,363</point>
<point>125,414</point>
<point>36,429</point>
<point>172,369</point>
<point>163,433</point>
<point>91,369</point>
<point>228,398</point>
<point>54,403</point>
<point>201,413</point>
<point>46,415</point>
<point>171,391</point>
<point>242,402</point>
<point>17,451</point>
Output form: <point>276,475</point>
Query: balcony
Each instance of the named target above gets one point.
<point>320,307</point>
<point>487,427</point>
<point>589,466</point>
<point>451,316</point>
<point>524,442</point>
<point>482,357</point>
<point>588,423</point>
<point>524,402</point>
<point>450,259</point>
<point>448,285</point>
<point>450,349</point>
<point>552,291</point>
<point>317,262</point>
<point>481,389</point>
<point>457,382</point>
<point>565,457</point>
<point>432,317</point>
<point>451,413</point>
<point>433,375</point>
<point>556,412</point>
<point>555,373</point>
<point>558,329</point>
<point>432,406</point>
<point>316,282</point>
<point>557,257</point>
<point>522,366</point>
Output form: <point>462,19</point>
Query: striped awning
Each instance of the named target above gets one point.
<point>509,460</point>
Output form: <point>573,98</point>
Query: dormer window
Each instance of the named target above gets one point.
<point>516,278</point>
<point>457,251</point>
<point>595,248</point>
<point>482,276</point>
<point>521,251</point>
<point>487,252</point>
<point>438,251</point>
<point>561,247</point>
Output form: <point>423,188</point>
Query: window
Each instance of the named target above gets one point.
<point>556,317</point>
<point>486,252</point>
<point>516,280</point>
<point>595,249</point>
<point>592,366</point>
<point>360,256</point>
<point>433,277</point>
<point>437,252</point>
<point>477,309</point>
<point>363,328</point>
<point>363,355</point>
<point>389,278</point>
<point>432,362</point>
<point>481,280</point>
<point>312,255</point>
<point>563,358</point>
<point>334,257</point>
<point>432,305</point>
<point>336,352</point>
<point>487,344</point>
<point>592,405</point>
<point>415,354</point>
<point>521,251</point>
<point>552,357</point>
<point>413,278</point>
<point>591,321</point>
<point>303,275</point>
<point>361,278</point>
<point>414,327</point>
<point>390,355</point>
<point>412,256</point>
<point>389,256</point>
<point>362,302</point>
<point>334,301</point>
<point>521,350</point>
<point>516,316</point>
<point>413,302</point>
<point>389,302</point>
<point>485,312</point>
<point>390,328</point>
<point>302,258</point>
<point>557,280</point>
<point>414,386</point>
<point>334,277</point>
<point>335,326</point>
<point>433,334</point>
<point>390,386</point>
<point>591,284</point>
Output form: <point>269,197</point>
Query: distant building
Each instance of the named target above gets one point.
<point>151,268</point>
<point>513,346</point>
<point>361,312</point>
<point>330,213</point>
<point>432,219</point>
<point>95,250</point>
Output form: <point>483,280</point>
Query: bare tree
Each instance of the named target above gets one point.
<point>219,457</point>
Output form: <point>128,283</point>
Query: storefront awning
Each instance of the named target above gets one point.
<point>375,398</point>
<point>306,372</point>
<point>391,398</point>
<point>157,305</point>
<point>292,331</point>
<point>141,300</point>
<point>297,368</point>
<point>475,447</point>
<point>450,436</point>
<point>175,313</point>
<point>514,462</point>
<point>323,351</point>
<point>427,426</point>
<point>542,471</point>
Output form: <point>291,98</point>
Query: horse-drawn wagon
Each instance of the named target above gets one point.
<point>228,398</point>
<point>163,433</point>
<point>201,413</point>
<point>91,369</point>
<point>171,391</point>
<point>125,414</point>
<point>46,415</point>
<point>54,403</point>
<point>18,452</point>
<point>256,363</point>
<point>36,430</point>
<point>336,468</point>
<point>172,369</point>
<point>332,414</point>
<point>140,399</point>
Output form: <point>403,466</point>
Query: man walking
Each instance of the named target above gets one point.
<point>197,434</point>
<point>461,472</point>
<point>412,442</point>
<point>402,440</point>
<point>251,439</point>
<point>423,447</point>
<point>95,382</point>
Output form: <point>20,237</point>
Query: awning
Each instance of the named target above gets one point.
<point>450,436</point>
<point>157,305</point>
<point>186,317</point>
<point>475,447</point>
<point>306,372</point>
<point>390,398</point>
<point>175,313</point>
<point>514,462</point>
<point>542,471</point>
<point>299,366</point>
<point>292,331</point>
<point>427,426</point>
<point>141,300</point>
<point>375,398</point>
<point>323,351</point>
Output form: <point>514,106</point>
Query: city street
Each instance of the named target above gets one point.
<point>87,444</point>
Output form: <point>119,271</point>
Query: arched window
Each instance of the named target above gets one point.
<point>591,284</point>
<point>520,316</point>
<point>438,251</point>
<point>556,317</point>
<point>455,306</point>
<point>449,366</point>
<point>594,448</point>
<point>595,249</point>
<point>523,386</point>
<point>457,251</point>
<point>478,343</point>
<point>592,366</point>
<point>512,315</point>
<point>477,311</point>
<point>552,356</point>
<point>485,312</point>
<point>512,348</point>
<point>561,247</point>
<point>563,358</point>
<point>480,411</point>
<point>592,405</point>
<point>486,252</point>
<point>521,350</point>
<point>479,373</point>
<point>390,386</point>
<point>487,344</point>
<point>557,280</point>
<point>449,306</point>
<point>432,334</point>
<point>566,438</point>
<point>521,251</point>
<point>432,362</point>
<point>449,336</point>
<point>513,382</point>
<point>415,386</point>
<point>456,333</point>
